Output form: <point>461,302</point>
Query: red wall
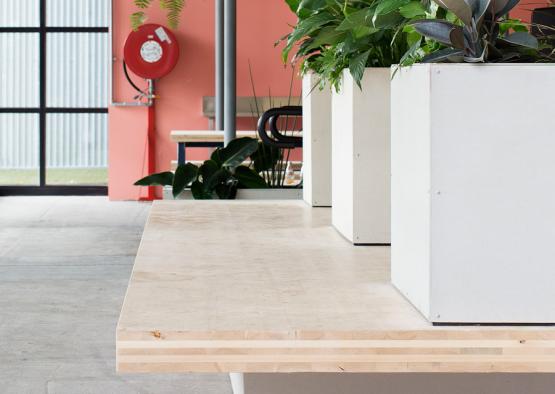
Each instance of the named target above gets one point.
<point>260,24</point>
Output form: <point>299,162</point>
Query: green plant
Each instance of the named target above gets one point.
<point>271,162</point>
<point>333,35</point>
<point>480,32</point>
<point>173,8</point>
<point>222,175</point>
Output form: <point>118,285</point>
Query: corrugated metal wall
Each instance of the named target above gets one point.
<point>77,77</point>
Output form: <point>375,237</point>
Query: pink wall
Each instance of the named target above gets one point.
<point>260,24</point>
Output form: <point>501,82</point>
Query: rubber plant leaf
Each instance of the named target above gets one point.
<point>438,30</point>
<point>249,178</point>
<point>523,39</point>
<point>444,55</point>
<point>502,7</point>
<point>479,8</point>
<point>238,151</point>
<point>185,174</point>
<point>457,37</point>
<point>161,179</point>
<point>458,7</point>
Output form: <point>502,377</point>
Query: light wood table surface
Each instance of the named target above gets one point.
<point>245,286</point>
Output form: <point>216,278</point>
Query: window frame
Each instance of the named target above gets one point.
<point>43,110</point>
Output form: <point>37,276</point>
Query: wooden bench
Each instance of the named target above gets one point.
<point>205,139</point>
<point>288,295</point>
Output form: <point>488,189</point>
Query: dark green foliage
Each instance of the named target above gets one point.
<point>173,8</point>
<point>333,35</point>
<point>222,175</point>
<point>480,32</point>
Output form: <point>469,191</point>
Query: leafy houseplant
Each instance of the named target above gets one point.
<point>481,32</point>
<point>173,8</point>
<point>334,35</point>
<point>223,174</point>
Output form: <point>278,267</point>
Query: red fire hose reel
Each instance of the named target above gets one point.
<point>151,53</point>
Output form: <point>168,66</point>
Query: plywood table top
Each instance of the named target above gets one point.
<point>244,286</point>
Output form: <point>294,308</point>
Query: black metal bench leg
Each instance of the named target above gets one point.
<point>181,147</point>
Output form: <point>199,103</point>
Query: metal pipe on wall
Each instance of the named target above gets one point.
<point>230,70</point>
<point>219,99</point>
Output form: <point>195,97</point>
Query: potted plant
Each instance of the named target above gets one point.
<point>351,46</point>
<point>244,169</point>
<point>473,137</point>
<point>309,38</point>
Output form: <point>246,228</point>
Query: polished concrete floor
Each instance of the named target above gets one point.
<point>64,267</point>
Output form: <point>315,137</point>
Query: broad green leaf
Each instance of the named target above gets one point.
<point>266,157</point>
<point>387,6</point>
<point>199,193</point>
<point>161,179</point>
<point>237,151</point>
<point>412,10</point>
<point>293,5</point>
<point>185,174</point>
<point>249,178</point>
<point>357,66</point>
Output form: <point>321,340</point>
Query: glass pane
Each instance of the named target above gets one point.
<point>19,13</point>
<point>19,70</point>
<point>78,13</point>
<point>77,70</point>
<point>19,149</point>
<point>77,149</point>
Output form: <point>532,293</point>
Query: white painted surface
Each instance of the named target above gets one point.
<point>237,383</point>
<point>361,158</point>
<point>489,181</point>
<point>410,166</point>
<point>248,194</point>
<point>316,143</point>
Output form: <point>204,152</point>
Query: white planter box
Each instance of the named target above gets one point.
<point>361,158</point>
<point>473,191</point>
<point>248,194</point>
<point>316,143</point>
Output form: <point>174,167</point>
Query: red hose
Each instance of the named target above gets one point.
<point>151,148</point>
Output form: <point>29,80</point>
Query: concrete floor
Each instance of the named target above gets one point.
<point>64,267</point>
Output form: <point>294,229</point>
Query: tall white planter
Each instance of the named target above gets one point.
<point>316,143</point>
<point>361,158</point>
<point>473,191</point>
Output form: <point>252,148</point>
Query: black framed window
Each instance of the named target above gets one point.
<point>54,96</point>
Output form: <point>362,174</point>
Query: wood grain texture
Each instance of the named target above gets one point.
<point>245,286</point>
